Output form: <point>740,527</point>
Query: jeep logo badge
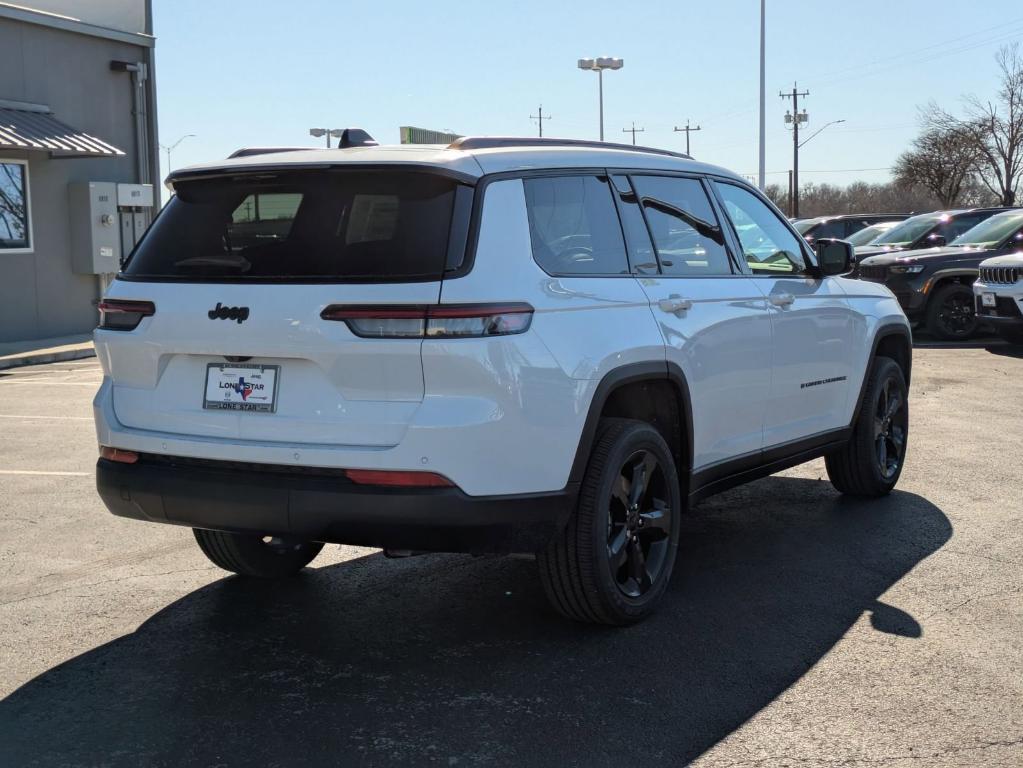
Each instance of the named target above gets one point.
<point>241,314</point>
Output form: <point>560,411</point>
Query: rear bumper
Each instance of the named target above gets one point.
<point>317,506</point>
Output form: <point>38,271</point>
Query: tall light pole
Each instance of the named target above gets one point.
<point>172,147</point>
<point>328,132</point>
<point>763,120</point>
<point>598,65</point>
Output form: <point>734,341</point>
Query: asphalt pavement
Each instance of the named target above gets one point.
<point>800,628</point>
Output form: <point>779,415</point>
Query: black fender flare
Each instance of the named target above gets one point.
<point>654,370</point>
<point>885,331</point>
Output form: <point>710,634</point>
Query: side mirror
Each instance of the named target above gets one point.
<point>936,241</point>
<point>836,257</point>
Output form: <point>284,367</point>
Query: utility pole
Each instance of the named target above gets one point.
<point>763,129</point>
<point>633,130</point>
<point>796,119</point>
<point>687,131</point>
<point>540,117</point>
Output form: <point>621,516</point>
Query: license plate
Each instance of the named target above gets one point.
<point>239,387</point>
<point>988,299</point>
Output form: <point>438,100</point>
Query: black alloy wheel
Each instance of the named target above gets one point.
<point>891,419</point>
<point>612,562</point>
<point>952,314</point>
<point>639,524</point>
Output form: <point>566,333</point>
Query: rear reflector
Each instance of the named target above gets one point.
<point>118,315</point>
<point>442,321</point>
<point>118,454</point>
<point>402,479</point>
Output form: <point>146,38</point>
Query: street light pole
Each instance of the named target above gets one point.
<point>763,124</point>
<point>328,132</point>
<point>172,147</point>
<point>598,65</point>
<point>806,141</point>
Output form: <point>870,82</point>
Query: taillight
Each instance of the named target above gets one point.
<point>119,455</point>
<point>398,478</point>
<point>442,321</point>
<point>119,315</point>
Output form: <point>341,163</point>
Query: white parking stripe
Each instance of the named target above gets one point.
<point>51,383</point>
<point>55,418</point>
<point>36,472</point>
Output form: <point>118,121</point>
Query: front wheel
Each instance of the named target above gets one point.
<point>612,562</point>
<point>950,313</point>
<point>871,462</point>
<point>265,557</point>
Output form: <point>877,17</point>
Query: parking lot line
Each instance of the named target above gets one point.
<point>55,418</point>
<point>52,383</point>
<point>37,472</point>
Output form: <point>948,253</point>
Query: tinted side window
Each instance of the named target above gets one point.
<point>685,231</point>
<point>769,246</point>
<point>833,228</point>
<point>573,226</point>
<point>641,250</point>
<point>954,227</point>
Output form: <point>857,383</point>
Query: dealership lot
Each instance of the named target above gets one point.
<point>800,628</point>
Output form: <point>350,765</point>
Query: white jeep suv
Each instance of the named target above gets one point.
<point>504,345</point>
<point>999,295</point>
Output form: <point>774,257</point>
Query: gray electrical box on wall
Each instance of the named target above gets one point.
<point>95,234</point>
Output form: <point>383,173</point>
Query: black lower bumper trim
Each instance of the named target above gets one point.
<point>319,507</point>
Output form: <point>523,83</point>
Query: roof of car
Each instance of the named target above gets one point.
<point>470,163</point>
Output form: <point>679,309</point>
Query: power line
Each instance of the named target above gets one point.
<point>879,66</point>
<point>540,117</point>
<point>687,130</point>
<point>912,54</point>
<point>633,130</point>
<point>834,170</point>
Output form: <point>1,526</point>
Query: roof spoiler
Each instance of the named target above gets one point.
<point>249,151</point>
<point>349,137</point>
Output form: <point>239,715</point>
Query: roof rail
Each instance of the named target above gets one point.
<point>497,142</point>
<point>249,151</point>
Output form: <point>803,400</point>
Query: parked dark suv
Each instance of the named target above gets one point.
<point>934,285</point>
<point>928,230</point>
<point>840,227</point>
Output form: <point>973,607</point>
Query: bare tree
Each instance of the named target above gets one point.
<point>996,128</point>
<point>943,160</point>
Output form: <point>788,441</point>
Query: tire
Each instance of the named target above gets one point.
<point>861,468</point>
<point>638,529</point>
<point>951,314</point>
<point>1012,335</point>
<point>249,555</point>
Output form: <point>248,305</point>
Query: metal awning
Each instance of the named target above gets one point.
<point>36,129</point>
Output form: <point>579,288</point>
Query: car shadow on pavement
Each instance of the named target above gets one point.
<point>458,660</point>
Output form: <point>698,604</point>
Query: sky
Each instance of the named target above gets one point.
<point>262,73</point>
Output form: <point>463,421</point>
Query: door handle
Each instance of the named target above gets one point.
<point>782,299</point>
<point>675,303</point>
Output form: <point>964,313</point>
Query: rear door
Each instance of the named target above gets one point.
<point>239,270</point>
<point>813,325</point>
<point>714,321</point>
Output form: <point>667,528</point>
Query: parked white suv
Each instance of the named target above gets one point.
<point>999,295</point>
<point>505,345</point>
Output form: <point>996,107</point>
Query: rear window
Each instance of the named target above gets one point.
<point>314,226</point>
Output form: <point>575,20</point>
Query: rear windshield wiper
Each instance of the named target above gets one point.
<point>227,262</point>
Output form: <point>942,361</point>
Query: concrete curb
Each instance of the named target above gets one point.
<point>46,356</point>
